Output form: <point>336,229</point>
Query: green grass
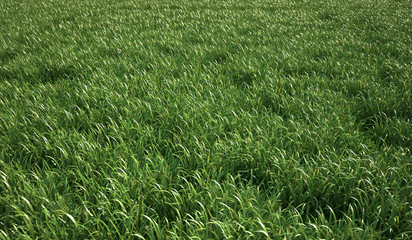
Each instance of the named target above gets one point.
<point>205,119</point>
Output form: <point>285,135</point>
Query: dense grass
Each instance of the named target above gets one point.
<point>205,119</point>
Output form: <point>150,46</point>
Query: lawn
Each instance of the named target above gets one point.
<point>205,119</point>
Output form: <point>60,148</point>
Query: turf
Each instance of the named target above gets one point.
<point>205,119</point>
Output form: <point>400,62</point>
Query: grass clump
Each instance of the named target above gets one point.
<point>205,119</point>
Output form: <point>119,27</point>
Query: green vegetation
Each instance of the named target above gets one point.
<point>205,119</point>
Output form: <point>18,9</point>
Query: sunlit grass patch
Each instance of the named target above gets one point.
<point>205,119</point>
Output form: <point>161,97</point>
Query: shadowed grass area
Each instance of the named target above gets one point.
<point>205,119</point>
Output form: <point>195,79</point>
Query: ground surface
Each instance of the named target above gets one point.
<point>205,119</point>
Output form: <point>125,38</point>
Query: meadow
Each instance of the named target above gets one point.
<point>205,119</point>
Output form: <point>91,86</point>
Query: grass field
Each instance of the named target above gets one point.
<point>205,119</point>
